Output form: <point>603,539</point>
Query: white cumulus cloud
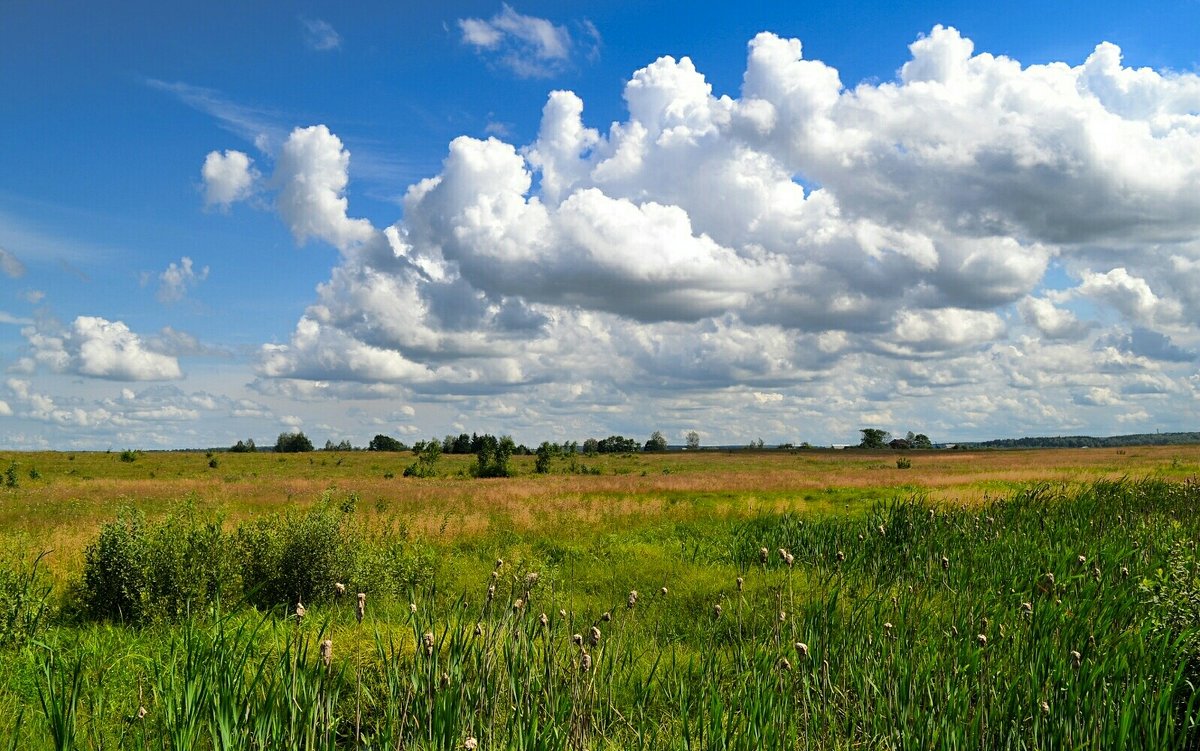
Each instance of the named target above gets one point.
<point>178,278</point>
<point>228,177</point>
<point>529,46</point>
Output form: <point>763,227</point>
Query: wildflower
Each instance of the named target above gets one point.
<point>1076,659</point>
<point>887,627</point>
<point>142,712</point>
<point>1027,608</point>
<point>427,640</point>
<point>300,611</point>
<point>412,608</point>
<point>717,611</point>
<point>585,662</point>
<point>542,619</point>
<point>802,650</point>
<point>327,652</point>
<point>495,575</point>
<point>491,595</point>
<point>339,589</point>
<point>606,617</point>
<point>518,604</point>
<point>594,636</point>
<point>782,616</point>
<point>577,640</point>
<point>445,680</point>
<point>763,555</point>
<point>663,591</point>
<point>741,583</point>
<point>499,563</point>
<point>785,664</point>
<point>633,598</point>
<point>361,609</point>
<point>531,579</point>
<point>1125,572</point>
<point>782,554</point>
<point>882,530</point>
<point>789,559</point>
<point>1045,707</point>
<point>841,556</point>
<point>982,639</point>
<point>470,744</point>
<point>945,563</point>
<point>562,613</point>
<point>1082,560</point>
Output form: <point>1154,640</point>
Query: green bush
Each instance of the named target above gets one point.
<point>296,556</point>
<point>138,573</point>
<point>129,455</point>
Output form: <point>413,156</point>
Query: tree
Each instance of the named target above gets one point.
<point>244,447</point>
<point>591,447</point>
<point>873,438</point>
<point>292,443</point>
<point>920,441</point>
<point>428,453</point>
<point>383,442</point>
<point>657,442</point>
<point>693,440</point>
<point>492,459</point>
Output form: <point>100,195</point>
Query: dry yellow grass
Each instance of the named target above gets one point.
<point>76,493</point>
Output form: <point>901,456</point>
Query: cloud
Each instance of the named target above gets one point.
<point>255,125</point>
<point>177,279</point>
<point>311,173</point>
<point>11,265</point>
<point>5,410</point>
<point>528,46</point>
<point>834,246</point>
<point>100,348</point>
<point>320,35</point>
<point>227,178</point>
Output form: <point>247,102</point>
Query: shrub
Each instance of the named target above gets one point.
<point>137,573</point>
<point>128,456</point>
<point>293,556</point>
<point>10,476</point>
<point>493,457</point>
<point>426,463</point>
<point>903,463</point>
<point>292,443</point>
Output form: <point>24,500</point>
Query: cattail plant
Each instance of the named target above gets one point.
<point>802,650</point>
<point>327,652</point>
<point>594,636</point>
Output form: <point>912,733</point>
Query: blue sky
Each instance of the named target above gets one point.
<point>562,220</point>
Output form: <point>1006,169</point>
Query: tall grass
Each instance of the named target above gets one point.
<point>1052,618</point>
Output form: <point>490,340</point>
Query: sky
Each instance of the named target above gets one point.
<point>562,220</point>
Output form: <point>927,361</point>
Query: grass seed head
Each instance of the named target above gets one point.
<point>1124,572</point>
<point>663,591</point>
<point>577,640</point>
<point>1076,659</point>
<point>585,662</point>
<point>499,563</point>
<point>789,559</point>
<point>491,595</point>
<point>841,556</point>
<point>412,608</point>
<point>544,620</point>
<point>1045,707</point>
<point>1082,560</point>
<point>1027,608</point>
<point>300,610</point>
<point>594,636</point>
<point>632,599</point>
<point>717,610</point>
<point>339,589</point>
<point>361,609</point>
<point>479,629</point>
<point>763,554</point>
<point>142,712</point>
<point>427,640</point>
<point>945,563</point>
<point>531,580</point>
<point>785,664</point>
<point>802,650</point>
<point>606,616</point>
<point>518,604</point>
<point>562,613</point>
<point>982,639</point>
<point>741,584</point>
<point>782,616</point>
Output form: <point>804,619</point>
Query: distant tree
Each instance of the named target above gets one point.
<point>343,445</point>
<point>693,439</point>
<point>657,442</point>
<point>383,442</point>
<point>616,444</point>
<point>873,438</point>
<point>428,453</point>
<point>244,447</point>
<point>493,457</point>
<point>757,444</point>
<point>292,443</point>
<point>545,453</point>
<point>591,447</point>
<point>919,441</point>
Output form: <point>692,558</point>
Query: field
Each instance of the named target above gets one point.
<point>708,600</point>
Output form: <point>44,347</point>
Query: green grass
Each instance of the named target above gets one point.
<point>892,657</point>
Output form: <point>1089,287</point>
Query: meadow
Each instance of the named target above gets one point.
<point>707,600</point>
